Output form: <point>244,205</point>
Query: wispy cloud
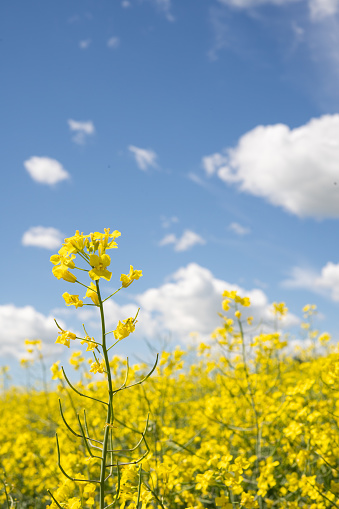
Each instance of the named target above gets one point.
<point>113,42</point>
<point>318,9</point>
<point>85,44</point>
<point>125,4</point>
<point>296,169</point>
<point>166,222</point>
<point>239,229</point>
<point>45,170</point>
<point>143,157</point>
<point>165,7</point>
<point>40,236</point>
<point>81,129</point>
<point>183,243</point>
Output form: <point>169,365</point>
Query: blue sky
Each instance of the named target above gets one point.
<point>205,131</point>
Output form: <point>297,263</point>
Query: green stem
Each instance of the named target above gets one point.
<point>118,290</point>
<point>109,418</point>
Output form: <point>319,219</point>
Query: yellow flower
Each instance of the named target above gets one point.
<point>226,304</point>
<point>243,301</point>
<point>279,308</point>
<point>75,243</point>
<point>129,278</point>
<point>65,337</point>
<point>34,342</point>
<point>74,503</point>
<point>72,300</point>
<point>324,337</point>
<point>91,344</point>
<point>56,372</point>
<point>61,272</point>
<point>92,294</point>
<point>223,501</point>
<point>99,264</point>
<point>76,360</point>
<point>98,367</point>
<point>124,329</point>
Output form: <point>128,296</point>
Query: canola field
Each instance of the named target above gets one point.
<point>242,422</point>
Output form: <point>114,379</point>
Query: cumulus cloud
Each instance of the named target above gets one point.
<point>40,236</point>
<point>81,129</point>
<point>185,242</point>
<point>325,282</point>
<point>45,170</point>
<point>318,8</point>
<point>190,302</point>
<point>143,157</point>
<point>296,169</point>
<point>20,323</point>
<point>239,229</point>
<point>113,42</point>
<point>84,44</point>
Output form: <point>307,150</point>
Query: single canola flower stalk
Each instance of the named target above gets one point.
<point>90,250</point>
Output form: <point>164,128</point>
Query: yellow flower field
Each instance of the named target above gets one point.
<point>242,422</point>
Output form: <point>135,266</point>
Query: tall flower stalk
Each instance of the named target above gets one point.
<point>91,249</point>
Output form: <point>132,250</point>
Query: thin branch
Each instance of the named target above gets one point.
<point>114,451</point>
<point>54,500</point>
<point>140,381</point>
<point>72,431</point>
<point>85,440</point>
<point>63,471</point>
<point>80,394</point>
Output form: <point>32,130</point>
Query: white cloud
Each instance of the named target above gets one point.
<point>143,157</point>
<point>322,8</point>
<point>243,4</point>
<point>325,283</point>
<point>49,238</point>
<point>81,129</point>
<point>85,43</point>
<point>168,239</point>
<point>166,222</point>
<point>113,42</point>
<point>125,3</point>
<point>190,301</point>
<point>318,9</point>
<point>239,229</point>
<point>296,169</point>
<point>300,277</point>
<point>165,7</point>
<point>20,323</point>
<point>329,280</point>
<point>45,170</point>
<point>213,162</point>
<point>185,242</point>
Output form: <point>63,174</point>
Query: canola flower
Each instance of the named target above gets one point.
<point>245,424</point>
